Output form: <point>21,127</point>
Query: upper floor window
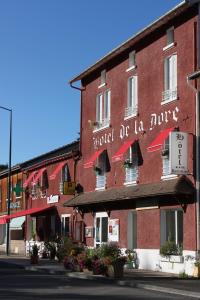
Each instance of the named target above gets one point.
<point>103,110</point>
<point>170,79</point>
<point>166,157</point>
<point>65,176</point>
<point>132,99</point>
<point>100,169</point>
<point>131,61</point>
<point>102,78</point>
<point>131,165</point>
<point>44,184</point>
<point>170,36</point>
<point>18,188</point>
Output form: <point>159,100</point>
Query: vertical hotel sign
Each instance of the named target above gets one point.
<point>179,152</point>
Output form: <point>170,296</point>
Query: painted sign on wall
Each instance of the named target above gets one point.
<point>179,152</point>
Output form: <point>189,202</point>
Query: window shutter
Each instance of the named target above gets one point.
<point>107,105</point>
<point>135,92</point>
<point>132,230</point>
<point>99,108</point>
<point>166,74</point>
<point>174,72</point>
<point>162,227</point>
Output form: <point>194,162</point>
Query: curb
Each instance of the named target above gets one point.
<point>106,280</point>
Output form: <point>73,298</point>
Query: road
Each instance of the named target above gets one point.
<point>16,283</point>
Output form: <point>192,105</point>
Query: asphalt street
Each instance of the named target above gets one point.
<point>16,283</point>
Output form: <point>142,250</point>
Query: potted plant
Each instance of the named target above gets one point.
<point>131,258</point>
<point>113,259</point>
<point>51,247</point>
<point>196,270</point>
<point>97,170</point>
<point>127,163</point>
<point>172,252</point>
<point>34,254</point>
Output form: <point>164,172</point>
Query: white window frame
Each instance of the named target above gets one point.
<point>163,223</point>
<point>100,215</point>
<point>169,38</point>
<point>20,196</point>
<point>131,61</point>
<point>166,160</point>
<point>102,79</point>
<point>101,178</point>
<point>132,98</point>
<point>170,79</point>
<point>103,103</point>
<point>131,173</point>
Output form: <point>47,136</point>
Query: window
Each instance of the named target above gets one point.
<point>44,184</point>
<point>172,226</point>
<point>101,228</point>
<point>65,225</point>
<point>170,36</point>
<point>170,79</point>
<point>131,165</point>
<point>103,78</point>
<point>103,110</point>
<point>65,176</point>
<point>166,157</point>
<point>18,188</point>
<point>132,100</point>
<point>0,194</point>
<point>100,170</point>
<point>131,61</point>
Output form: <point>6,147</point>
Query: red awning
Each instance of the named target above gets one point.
<point>3,219</point>
<point>26,182</point>
<point>39,174</point>
<point>56,170</point>
<point>119,154</point>
<point>90,162</point>
<point>159,140</point>
<point>30,211</point>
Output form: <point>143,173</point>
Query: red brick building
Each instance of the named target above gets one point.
<point>136,105</point>
<point>40,186</point>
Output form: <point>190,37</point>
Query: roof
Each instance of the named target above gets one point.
<point>45,158</point>
<point>178,186</point>
<point>176,11</point>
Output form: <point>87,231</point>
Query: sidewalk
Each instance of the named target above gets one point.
<point>148,280</point>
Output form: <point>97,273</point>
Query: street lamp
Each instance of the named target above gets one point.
<point>9,179</point>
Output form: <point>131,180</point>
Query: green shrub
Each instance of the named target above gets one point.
<point>170,248</point>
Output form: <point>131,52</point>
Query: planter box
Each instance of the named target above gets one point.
<point>176,258</point>
<point>173,259</point>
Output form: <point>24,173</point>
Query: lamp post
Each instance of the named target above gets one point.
<point>9,179</point>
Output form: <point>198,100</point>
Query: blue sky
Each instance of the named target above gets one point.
<point>44,44</point>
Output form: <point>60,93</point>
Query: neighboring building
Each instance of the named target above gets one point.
<point>135,106</point>
<point>43,184</point>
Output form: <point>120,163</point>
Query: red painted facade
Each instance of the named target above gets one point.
<point>151,119</point>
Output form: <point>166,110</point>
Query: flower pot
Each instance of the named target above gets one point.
<point>116,270</point>
<point>196,272</point>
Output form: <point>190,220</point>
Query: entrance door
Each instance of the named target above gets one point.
<point>101,228</point>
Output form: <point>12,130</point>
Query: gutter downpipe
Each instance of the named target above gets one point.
<point>79,89</point>
<point>195,88</point>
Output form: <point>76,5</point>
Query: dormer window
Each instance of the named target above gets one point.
<point>102,78</point>
<point>169,38</point>
<point>131,61</point>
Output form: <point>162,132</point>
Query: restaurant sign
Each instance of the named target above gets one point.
<point>179,152</point>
